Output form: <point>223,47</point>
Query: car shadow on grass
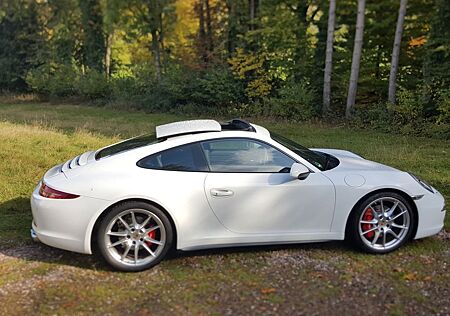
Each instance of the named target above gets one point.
<point>15,242</point>
<point>261,249</point>
<point>39,252</point>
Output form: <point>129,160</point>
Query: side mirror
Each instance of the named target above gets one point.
<point>299,171</point>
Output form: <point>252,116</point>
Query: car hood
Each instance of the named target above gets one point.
<point>351,161</point>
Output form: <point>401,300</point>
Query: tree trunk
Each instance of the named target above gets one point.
<point>155,25</point>
<point>156,54</point>
<point>252,13</point>
<point>396,50</point>
<point>329,57</point>
<point>356,59</point>
<point>302,11</point>
<point>209,36</point>
<point>109,40</point>
<point>202,31</point>
<point>232,27</point>
<point>161,43</point>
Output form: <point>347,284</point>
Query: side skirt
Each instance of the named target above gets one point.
<point>242,241</point>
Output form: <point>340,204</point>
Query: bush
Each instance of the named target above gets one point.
<point>37,79</point>
<point>406,117</point>
<point>215,87</point>
<point>410,107</point>
<point>376,115</point>
<point>93,85</point>
<point>54,80</point>
<point>444,107</point>
<point>166,94</point>
<point>124,88</point>
<point>187,91</point>
<point>66,81</point>
<point>295,100</point>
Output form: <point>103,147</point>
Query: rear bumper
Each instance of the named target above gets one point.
<point>64,224</point>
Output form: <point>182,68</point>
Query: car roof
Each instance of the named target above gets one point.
<point>180,134</point>
<point>202,126</point>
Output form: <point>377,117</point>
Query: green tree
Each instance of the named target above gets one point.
<point>93,36</point>
<point>437,62</point>
<point>21,41</point>
<point>63,23</point>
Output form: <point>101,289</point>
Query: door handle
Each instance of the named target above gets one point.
<point>221,192</point>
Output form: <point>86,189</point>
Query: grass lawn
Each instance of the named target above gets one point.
<point>313,279</point>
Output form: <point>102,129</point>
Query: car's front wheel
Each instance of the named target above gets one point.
<point>134,236</point>
<point>381,223</point>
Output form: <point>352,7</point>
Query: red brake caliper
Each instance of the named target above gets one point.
<point>152,235</point>
<point>368,216</point>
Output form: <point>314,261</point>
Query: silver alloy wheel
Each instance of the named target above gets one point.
<point>135,237</point>
<point>384,223</point>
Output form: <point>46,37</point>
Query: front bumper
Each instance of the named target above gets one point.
<point>33,235</point>
<point>65,224</point>
<point>431,212</point>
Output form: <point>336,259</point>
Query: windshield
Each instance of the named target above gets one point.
<point>129,144</point>
<point>316,159</point>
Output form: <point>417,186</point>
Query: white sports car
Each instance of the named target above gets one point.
<point>202,184</point>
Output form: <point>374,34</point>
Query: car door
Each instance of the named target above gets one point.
<point>250,190</point>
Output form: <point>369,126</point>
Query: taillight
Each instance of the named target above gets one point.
<point>50,193</point>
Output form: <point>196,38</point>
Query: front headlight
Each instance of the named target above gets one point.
<point>421,182</point>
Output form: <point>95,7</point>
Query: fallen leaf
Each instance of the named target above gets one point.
<point>268,290</point>
<point>410,276</point>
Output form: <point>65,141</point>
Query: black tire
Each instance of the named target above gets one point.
<point>103,238</point>
<point>354,230</point>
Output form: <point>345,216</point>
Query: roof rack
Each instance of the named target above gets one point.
<point>237,125</point>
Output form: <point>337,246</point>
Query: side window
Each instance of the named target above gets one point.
<point>183,158</point>
<point>244,155</point>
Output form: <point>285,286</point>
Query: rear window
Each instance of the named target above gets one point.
<point>129,144</point>
<point>182,158</point>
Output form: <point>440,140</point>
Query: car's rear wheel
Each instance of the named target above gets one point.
<point>134,236</point>
<point>381,223</point>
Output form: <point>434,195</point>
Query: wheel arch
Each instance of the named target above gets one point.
<point>405,195</point>
<point>93,233</point>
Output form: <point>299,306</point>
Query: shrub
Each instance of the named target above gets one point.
<point>295,100</point>
<point>163,95</point>
<point>215,87</point>
<point>376,115</point>
<point>38,79</point>
<point>409,108</point>
<point>54,80</point>
<point>183,90</point>
<point>93,85</point>
<point>444,107</point>
<point>124,88</point>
